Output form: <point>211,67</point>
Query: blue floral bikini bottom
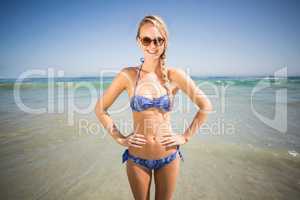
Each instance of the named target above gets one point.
<point>152,164</point>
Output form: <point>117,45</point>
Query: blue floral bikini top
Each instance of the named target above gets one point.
<point>140,103</point>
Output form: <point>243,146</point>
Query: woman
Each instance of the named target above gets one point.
<point>152,147</point>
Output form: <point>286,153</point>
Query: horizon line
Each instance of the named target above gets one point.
<point>204,76</point>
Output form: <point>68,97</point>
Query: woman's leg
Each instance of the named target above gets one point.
<point>165,180</point>
<point>139,180</point>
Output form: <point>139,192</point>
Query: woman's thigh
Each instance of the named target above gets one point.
<point>139,180</point>
<point>165,180</point>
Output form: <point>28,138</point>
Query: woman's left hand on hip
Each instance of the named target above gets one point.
<point>172,140</point>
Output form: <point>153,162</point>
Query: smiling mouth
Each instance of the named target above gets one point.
<point>152,52</point>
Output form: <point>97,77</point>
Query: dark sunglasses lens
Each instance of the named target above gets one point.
<point>158,41</point>
<point>146,41</point>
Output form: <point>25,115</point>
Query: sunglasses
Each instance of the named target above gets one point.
<point>146,41</point>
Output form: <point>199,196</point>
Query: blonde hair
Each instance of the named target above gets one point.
<point>158,22</point>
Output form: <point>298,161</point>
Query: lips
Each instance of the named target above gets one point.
<point>152,52</point>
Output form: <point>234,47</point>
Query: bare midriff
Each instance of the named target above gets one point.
<point>153,125</point>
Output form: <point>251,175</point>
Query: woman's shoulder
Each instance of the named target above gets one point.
<point>129,70</point>
<point>175,73</point>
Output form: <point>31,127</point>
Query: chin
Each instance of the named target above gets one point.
<point>152,56</point>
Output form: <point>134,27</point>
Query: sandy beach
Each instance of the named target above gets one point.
<point>44,163</point>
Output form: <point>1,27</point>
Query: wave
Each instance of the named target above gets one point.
<point>34,85</point>
<point>103,83</point>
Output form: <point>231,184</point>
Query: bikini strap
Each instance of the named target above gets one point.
<point>179,152</point>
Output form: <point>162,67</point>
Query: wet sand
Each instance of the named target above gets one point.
<point>43,158</point>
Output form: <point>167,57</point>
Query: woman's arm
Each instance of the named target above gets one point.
<point>118,85</point>
<point>188,86</point>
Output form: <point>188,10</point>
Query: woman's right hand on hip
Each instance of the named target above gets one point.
<point>134,140</point>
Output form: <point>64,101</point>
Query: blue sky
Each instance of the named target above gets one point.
<point>211,38</point>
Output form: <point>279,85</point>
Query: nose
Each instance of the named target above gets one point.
<point>152,45</point>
